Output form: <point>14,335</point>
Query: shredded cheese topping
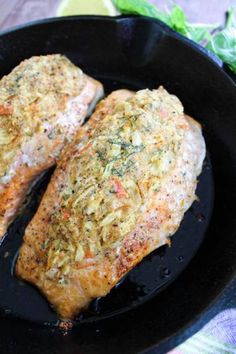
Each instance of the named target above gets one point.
<point>112,178</point>
<point>30,98</point>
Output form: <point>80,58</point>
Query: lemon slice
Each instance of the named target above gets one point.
<point>86,7</point>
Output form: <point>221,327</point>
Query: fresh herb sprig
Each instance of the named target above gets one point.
<point>223,43</point>
<point>220,41</point>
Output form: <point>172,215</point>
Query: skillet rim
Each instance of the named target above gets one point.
<point>204,316</point>
<point>216,61</point>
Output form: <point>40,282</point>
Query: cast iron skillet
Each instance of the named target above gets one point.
<point>158,303</point>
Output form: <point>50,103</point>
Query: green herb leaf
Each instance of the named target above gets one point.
<point>177,20</point>
<point>199,32</point>
<point>140,7</point>
<point>223,43</point>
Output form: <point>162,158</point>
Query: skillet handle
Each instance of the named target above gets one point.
<point>164,28</point>
<point>213,57</point>
<point>230,73</point>
<point>216,60</point>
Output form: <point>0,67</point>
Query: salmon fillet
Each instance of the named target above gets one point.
<point>115,197</point>
<point>43,101</point>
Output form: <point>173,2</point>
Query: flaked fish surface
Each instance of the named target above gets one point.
<point>43,101</point>
<point>119,192</point>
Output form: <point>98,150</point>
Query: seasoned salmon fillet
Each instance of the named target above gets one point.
<point>114,197</point>
<point>43,101</point>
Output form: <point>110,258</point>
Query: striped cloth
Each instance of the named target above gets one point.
<point>217,337</point>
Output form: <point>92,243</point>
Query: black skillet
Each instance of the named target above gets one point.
<point>173,292</point>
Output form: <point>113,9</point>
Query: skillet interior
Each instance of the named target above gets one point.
<point>139,52</point>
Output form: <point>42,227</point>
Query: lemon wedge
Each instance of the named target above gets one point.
<point>86,7</point>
